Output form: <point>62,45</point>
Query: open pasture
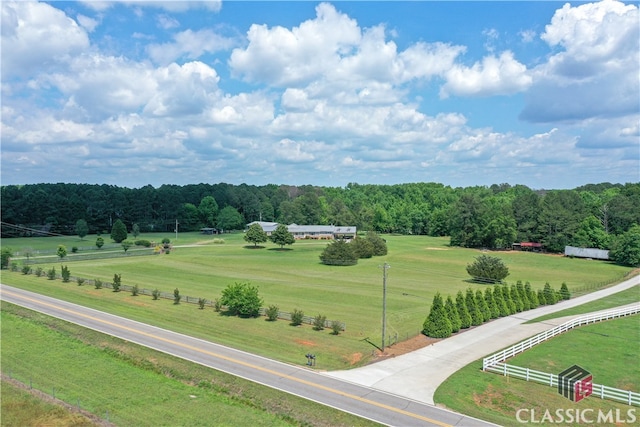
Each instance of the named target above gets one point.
<point>294,279</point>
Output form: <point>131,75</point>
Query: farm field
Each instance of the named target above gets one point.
<point>497,398</point>
<point>294,279</point>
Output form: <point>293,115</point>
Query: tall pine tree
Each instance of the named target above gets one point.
<point>452,313</point>
<point>463,311</point>
<point>437,324</point>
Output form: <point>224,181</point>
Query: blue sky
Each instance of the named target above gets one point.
<point>544,94</point>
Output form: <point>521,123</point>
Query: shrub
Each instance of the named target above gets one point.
<point>336,327</point>
<point>176,296</point>
<point>80,281</point>
<point>126,244</point>
<point>74,249</point>
<point>217,305</point>
<point>99,242</point>
<point>452,314</point>
<point>14,266</point>
<point>39,271</point>
<point>201,303</point>
<point>297,317</point>
<point>487,269</point>
<point>155,294</point>
<point>437,323</point>
<point>26,269</point>
<point>143,242</point>
<point>463,311</point>
<point>97,284</point>
<point>242,299</point>
<point>51,273</point>
<point>339,253</point>
<point>550,296</point>
<point>65,273</point>
<point>272,313</point>
<point>318,322</point>
<point>135,290</point>
<point>117,281</point>
<point>62,251</point>
<point>218,241</point>
<point>5,256</point>
<point>564,292</point>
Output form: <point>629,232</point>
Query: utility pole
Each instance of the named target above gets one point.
<point>385,267</point>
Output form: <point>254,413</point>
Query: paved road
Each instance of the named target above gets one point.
<point>418,374</point>
<point>364,401</point>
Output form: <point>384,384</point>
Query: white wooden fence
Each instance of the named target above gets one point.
<point>494,363</point>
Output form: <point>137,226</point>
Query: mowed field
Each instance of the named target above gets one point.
<point>293,279</point>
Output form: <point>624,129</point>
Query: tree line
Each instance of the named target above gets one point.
<point>493,217</point>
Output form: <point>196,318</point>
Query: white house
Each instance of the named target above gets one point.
<point>311,231</point>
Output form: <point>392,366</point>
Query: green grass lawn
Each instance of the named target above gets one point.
<point>295,279</point>
<point>496,398</point>
<point>135,386</point>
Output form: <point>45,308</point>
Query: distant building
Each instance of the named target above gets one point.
<point>327,232</point>
<point>592,253</point>
<point>528,246</point>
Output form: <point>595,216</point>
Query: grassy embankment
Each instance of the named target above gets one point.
<point>131,385</point>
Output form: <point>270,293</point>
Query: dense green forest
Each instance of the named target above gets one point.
<point>594,215</point>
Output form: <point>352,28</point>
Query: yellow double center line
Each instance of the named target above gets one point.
<point>232,360</point>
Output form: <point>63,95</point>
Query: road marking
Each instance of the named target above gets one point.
<point>232,360</point>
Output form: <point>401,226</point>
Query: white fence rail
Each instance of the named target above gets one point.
<point>494,363</point>
<point>543,336</point>
<point>601,391</point>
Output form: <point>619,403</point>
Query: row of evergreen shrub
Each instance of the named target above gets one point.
<point>475,308</point>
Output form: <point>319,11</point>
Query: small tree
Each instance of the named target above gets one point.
<point>463,311</point>
<point>80,281</point>
<point>135,290</point>
<point>339,253</point>
<point>452,314</point>
<point>99,242</point>
<point>482,306</point>
<point>379,244</point>
<point>491,303</point>
<point>242,299</point>
<point>217,305</point>
<point>488,269</point>
<point>542,300</point>
<point>51,273</point>
<point>506,294</point>
<point>255,234</point>
<point>118,231</point>
<point>564,292</point>
<point>135,230</point>
<point>62,251</point>
<point>39,271</point>
<point>532,296</point>
<point>272,313</point>
<point>297,317</point>
<point>26,269</point>
<point>318,322</point>
<point>282,236</point>
<point>5,256</point>
<point>363,247</point>
<point>97,284</point>
<point>476,315</point>
<point>201,303</point>
<point>500,302</point>
<point>524,296</point>
<point>126,244</point>
<point>515,297</point>
<point>549,294</point>
<point>155,294</point>
<point>336,327</point>
<point>176,296</point>
<point>117,281</point>
<point>65,273</point>
<point>437,323</point>
<point>82,229</point>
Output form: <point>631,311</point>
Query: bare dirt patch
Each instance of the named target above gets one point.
<point>404,347</point>
<point>307,343</point>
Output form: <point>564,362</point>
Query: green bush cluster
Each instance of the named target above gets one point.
<point>142,242</point>
<point>475,308</point>
<point>341,252</point>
